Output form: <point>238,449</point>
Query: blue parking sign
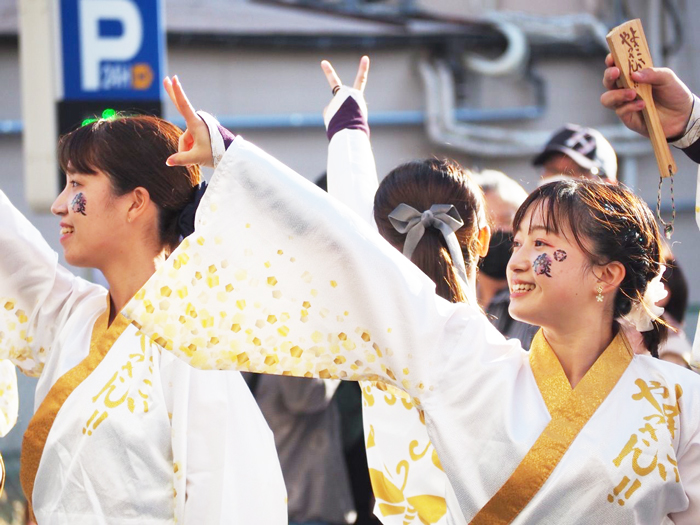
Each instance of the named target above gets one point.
<point>112,49</point>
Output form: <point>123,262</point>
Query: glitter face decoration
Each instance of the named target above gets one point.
<point>559,255</point>
<point>78,204</point>
<point>542,265</point>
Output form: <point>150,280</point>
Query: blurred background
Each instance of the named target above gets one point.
<point>485,82</point>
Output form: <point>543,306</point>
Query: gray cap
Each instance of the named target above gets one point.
<point>585,146</point>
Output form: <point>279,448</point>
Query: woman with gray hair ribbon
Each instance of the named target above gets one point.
<point>393,429</point>
<point>443,217</point>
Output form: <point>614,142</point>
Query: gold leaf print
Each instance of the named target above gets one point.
<point>383,488</point>
<point>370,437</point>
<point>430,508</point>
<point>415,456</point>
<point>436,460</point>
<point>390,510</point>
<point>367,395</point>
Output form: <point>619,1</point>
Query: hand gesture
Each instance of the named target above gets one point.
<point>674,101</point>
<point>334,80</point>
<point>194,145</point>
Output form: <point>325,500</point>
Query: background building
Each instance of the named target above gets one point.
<point>482,81</point>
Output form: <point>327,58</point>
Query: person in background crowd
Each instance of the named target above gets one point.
<point>677,347</point>
<point>503,197</point>
<point>305,421</point>
<point>577,152</point>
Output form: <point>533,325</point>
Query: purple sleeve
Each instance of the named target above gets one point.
<point>693,151</point>
<point>226,135</point>
<point>349,116</point>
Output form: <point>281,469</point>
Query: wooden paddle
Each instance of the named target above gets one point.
<point>630,51</point>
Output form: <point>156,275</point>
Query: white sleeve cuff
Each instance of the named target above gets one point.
<point>218,148</point>
<point>692,130</point>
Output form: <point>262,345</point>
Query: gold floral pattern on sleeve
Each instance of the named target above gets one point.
<point>15,341</point>
<point>215,314</point>
<point>644,454</point>
<point>9,397</point>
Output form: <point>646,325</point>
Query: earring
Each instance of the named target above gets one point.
<point>599,289</point>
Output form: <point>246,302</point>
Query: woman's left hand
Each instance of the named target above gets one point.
<point>195,144</point>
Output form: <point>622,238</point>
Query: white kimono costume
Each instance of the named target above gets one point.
<point>9,404</point>
<point>407,478</point>
<point>124,433</point>
<point>279,278</point>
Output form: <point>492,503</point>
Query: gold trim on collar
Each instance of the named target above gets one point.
<point>570,409</point>
<point>102,339</point>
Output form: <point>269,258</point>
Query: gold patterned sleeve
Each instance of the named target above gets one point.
<point>37,295</point>
<point>279,278</point>
<point>9,397</point>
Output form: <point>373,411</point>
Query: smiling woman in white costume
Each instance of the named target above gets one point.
<point>280,278</point>
<point>123,432</point>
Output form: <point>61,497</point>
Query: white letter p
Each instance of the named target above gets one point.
<point>94,49</point>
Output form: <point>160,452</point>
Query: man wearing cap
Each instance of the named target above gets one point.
<point>577,152</point>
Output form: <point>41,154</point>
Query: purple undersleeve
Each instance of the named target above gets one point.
<point>349,116</point>
<point>693,151</point>
<point>226,135</point>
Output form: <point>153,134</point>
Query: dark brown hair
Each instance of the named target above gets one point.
<point>420,184</point>
<point>132,152</point>
<point>609,223</point>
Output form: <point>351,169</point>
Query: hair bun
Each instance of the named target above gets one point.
<point>185,221</point>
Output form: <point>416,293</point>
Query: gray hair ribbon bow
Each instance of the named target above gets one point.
<point>444,217</point>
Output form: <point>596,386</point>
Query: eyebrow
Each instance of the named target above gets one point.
<point>538,228</point>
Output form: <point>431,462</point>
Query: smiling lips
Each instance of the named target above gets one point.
<point>65,229</point>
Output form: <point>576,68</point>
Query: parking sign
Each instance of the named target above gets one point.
<point>111,49</point>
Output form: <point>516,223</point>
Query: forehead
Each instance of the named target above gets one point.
<point>541,218</point>
<point>73,171</point>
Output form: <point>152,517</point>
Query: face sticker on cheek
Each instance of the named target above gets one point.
<point>542,265</point>
<point>78,204</point>
<point>559,255</point>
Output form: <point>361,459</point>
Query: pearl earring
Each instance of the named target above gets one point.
<point>599,289</point>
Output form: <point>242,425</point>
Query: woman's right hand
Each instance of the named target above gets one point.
<point>195,143</point>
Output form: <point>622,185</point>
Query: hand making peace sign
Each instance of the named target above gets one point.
<point>194,144</point>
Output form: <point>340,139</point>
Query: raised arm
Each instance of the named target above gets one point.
<point>352,174</point>
<point>37,295</point>
<point>279,278</point>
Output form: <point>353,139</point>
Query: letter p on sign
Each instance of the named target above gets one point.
<point>97,47</point>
